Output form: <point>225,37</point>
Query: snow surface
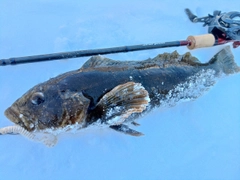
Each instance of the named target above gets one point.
<point>194,140</point>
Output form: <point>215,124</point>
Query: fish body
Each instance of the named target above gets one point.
<point>115,93</point>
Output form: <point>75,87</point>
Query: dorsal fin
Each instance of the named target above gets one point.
<point>103,64</point>
<point>99,61</point>
<point>160,61</point>
<point>189,59</point>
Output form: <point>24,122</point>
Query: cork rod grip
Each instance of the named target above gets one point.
<point>206,40</point>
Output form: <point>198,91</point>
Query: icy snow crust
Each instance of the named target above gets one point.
<point>193,88</point>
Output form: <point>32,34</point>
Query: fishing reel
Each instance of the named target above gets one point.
<point>224,26</point>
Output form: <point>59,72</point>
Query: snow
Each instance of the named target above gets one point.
<point>194,140</point>
<point>193,88</point>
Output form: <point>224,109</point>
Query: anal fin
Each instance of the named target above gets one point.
<point>122,101</point>
<point>125,129</point>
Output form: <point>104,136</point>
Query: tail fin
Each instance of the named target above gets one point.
<point>224,60</point>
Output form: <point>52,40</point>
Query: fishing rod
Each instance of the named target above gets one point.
<point>222,28</point>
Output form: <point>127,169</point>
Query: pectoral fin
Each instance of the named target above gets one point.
<point>122,101</point>
<point>125,129</point>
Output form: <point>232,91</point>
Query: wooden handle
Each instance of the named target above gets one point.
<point>206,40</point>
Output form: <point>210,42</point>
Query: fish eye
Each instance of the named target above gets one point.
<point>37,98</point>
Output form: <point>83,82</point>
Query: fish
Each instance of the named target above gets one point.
<point>113,94</point>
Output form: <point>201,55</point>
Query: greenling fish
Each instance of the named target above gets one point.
<point>113,93</point>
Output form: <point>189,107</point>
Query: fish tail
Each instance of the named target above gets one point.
<point>224,60</point>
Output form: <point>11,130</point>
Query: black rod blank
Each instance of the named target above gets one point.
<point>91,52</point>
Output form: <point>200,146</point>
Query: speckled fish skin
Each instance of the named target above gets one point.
<point>72,97</point>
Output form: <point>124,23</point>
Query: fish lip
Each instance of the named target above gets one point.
<point>12,114</point>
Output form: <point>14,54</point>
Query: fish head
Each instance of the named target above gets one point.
<point>47,106</point>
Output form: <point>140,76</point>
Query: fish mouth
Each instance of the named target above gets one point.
<point>12,114</point>
<point>18,118</point>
